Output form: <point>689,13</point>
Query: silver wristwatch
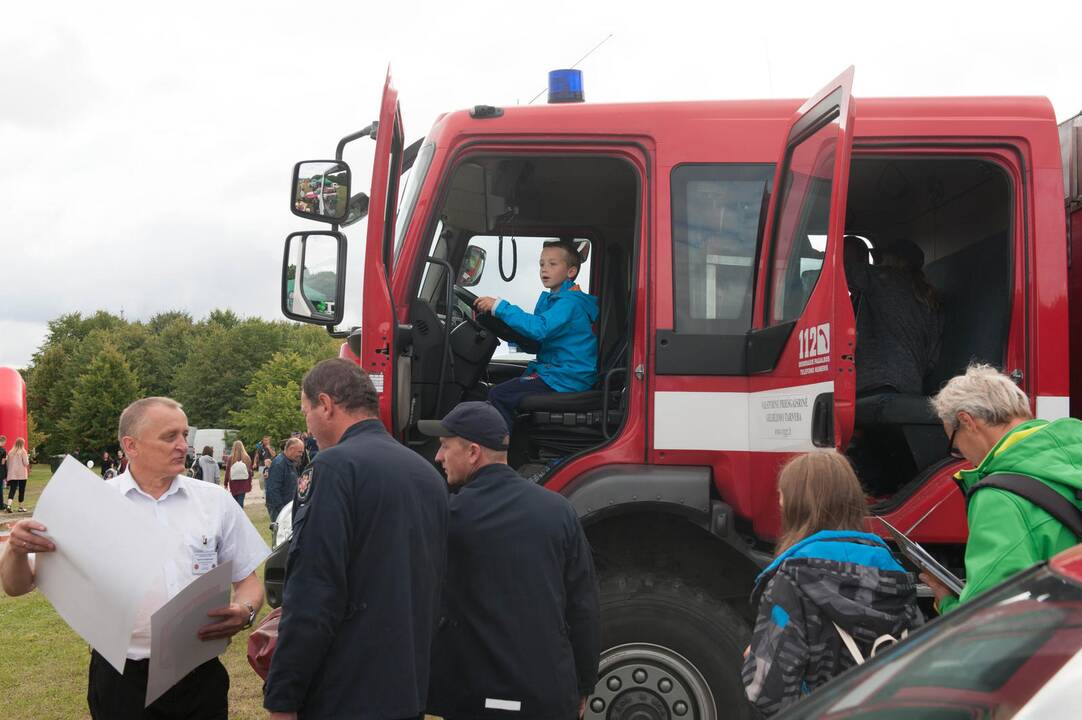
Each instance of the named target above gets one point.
<point>251,615</point>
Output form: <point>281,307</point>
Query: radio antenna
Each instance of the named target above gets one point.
<point>591,52</point>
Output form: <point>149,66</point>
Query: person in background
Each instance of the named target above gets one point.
<point>153,432</point>
<point>311,447</point>
<point>18,470</point>
<point>508,540</point>
<point>263,452</point>
<point>208,465</point>
<point>282,481</point>
<point>988,420</point>
<point>121,462</point>
<point>3,468</point>
<point>899,320</point>
<point>108,465</point>
<point>831,592</point>
<point>239,472</point>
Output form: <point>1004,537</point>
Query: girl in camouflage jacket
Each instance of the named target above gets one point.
<point>828,576</point>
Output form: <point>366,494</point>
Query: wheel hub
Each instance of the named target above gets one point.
<point>640,681</point>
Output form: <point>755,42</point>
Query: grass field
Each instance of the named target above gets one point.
<point>43,664</point>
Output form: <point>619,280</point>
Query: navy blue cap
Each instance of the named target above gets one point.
<point>477,422</point>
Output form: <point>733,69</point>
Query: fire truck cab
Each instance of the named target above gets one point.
<point>713,235</point>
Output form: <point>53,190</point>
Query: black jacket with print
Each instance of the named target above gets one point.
<point>833,577</point>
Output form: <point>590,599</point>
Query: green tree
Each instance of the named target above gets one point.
<point>45,375</point>
<point>167,350</point>
<point>221,362</point>
<point>159,322</point>
<point>225,318</point>
<point>272,399</point>
<point>36,440</point>
<point>100,394</point>
<point>74,327</point>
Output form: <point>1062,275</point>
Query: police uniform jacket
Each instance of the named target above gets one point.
<point>519,632</point>
<point>362,586</point>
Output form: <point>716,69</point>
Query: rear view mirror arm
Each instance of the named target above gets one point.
<point>369,131</point>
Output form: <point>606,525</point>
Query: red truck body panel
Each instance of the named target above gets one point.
<point>1019,133</point>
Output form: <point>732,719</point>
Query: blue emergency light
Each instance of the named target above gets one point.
<point>565,86</point>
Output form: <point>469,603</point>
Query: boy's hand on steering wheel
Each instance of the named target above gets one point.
<point>486,304</point>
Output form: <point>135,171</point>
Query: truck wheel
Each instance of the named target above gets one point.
<point>670,651</point>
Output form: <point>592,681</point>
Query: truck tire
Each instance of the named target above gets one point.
<point>669,651</point>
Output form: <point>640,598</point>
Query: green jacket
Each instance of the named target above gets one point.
<point>1008,534</point>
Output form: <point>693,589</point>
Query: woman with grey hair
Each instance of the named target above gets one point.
<point>988,420</point>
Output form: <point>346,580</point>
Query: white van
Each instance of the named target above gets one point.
<point>219,440</point>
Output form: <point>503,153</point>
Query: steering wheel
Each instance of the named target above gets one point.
<point>468,317</point>
<point>492,323</point>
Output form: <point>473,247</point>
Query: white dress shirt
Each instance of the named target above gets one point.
<point>207,518</point>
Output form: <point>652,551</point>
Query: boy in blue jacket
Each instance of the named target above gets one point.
<point>562,323</point>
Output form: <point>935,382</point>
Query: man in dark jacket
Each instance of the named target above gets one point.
<point>365,564</point>
<point>282,480</point>
<point>519,633</point>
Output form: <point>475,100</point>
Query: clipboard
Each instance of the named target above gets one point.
<point>920,557</point>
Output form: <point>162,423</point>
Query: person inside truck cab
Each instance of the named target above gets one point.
<point>562,323</point>
<point>899,321</point>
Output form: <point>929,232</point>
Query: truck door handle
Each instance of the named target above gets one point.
<point>822,421</point>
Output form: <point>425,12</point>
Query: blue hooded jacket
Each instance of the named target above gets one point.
<point>562,322</point>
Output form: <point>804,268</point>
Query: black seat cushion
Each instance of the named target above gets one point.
<point>895,409</point>
<point>561,402</point>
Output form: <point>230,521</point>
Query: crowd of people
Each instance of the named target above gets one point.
<point>278,470</point>
<point>475,594</point>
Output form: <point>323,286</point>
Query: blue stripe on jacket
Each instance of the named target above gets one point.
<point>825,545</point>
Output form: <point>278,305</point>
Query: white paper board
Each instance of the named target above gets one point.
<point>175,648</point>
<point>107,554</point>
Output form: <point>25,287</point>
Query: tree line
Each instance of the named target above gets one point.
<point>227,372</point>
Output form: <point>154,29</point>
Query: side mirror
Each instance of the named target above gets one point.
<point>320,190</point>
<point>473,264</point>
<point>358,209</point>
<point>314,277</point>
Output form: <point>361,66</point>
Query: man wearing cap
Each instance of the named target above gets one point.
<point>366,560</point>
<point>519,634</point>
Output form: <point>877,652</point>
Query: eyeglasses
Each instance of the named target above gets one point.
<point>951,449</point>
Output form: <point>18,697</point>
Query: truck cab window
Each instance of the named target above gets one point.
<point>801,225</point>
<point>716,211</point>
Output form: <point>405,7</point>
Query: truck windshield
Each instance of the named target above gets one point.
<point>409,198</point>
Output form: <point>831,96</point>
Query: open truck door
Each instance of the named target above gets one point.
<point>314,265</point>
<point>378,323</point>
<point>800,353</point>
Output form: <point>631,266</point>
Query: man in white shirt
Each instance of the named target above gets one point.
<point>153,432</point>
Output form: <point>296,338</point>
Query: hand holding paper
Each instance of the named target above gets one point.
<point>175,646</point>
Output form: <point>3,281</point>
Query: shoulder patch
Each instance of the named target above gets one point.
<point>304,485</point>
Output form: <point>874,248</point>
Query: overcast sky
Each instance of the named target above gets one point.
<point>145,149</point>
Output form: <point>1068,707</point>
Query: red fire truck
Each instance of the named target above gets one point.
<point>713,233</point>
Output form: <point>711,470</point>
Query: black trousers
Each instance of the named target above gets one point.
<point>20,487</point>
<point>203,694</point>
